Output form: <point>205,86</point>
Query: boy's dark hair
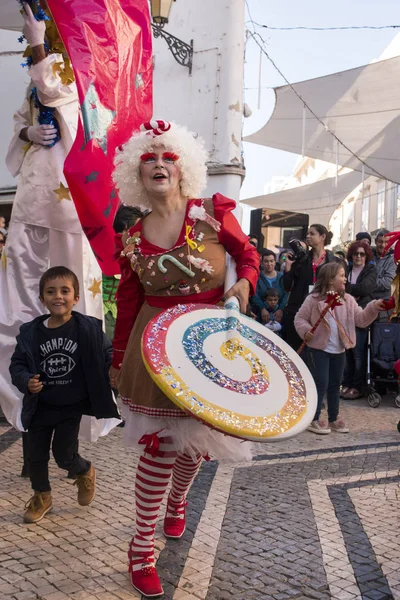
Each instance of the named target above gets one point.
<point>62,272</point>
<point>267,252</point>
<point>272,292</point>
<point>126,217</point>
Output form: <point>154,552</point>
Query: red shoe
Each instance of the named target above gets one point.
<point>175,520</point>
<point>144,577</point>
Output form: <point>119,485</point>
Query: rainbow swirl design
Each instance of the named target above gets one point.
<point>269,393</point>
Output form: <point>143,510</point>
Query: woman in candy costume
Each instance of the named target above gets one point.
<point>175,255</point>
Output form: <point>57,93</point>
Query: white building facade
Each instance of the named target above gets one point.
<point>208,102</point>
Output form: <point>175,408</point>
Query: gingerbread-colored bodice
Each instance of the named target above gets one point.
<point>196,264</point>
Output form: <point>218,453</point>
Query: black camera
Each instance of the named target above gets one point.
<point>298,252</point>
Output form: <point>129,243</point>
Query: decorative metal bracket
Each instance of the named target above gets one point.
<point>182,52</point>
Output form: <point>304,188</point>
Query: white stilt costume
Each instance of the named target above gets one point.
<point>44,229</point>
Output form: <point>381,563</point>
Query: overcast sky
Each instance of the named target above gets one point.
<point>304,55</point>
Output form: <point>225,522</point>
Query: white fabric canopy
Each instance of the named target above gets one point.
<point>10,17</point>
<point>317,199</point>
<point>361,106</point>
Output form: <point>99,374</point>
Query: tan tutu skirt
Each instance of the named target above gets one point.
<point>147,410</point>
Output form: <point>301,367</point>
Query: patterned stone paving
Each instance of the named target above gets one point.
<point>314,517</point>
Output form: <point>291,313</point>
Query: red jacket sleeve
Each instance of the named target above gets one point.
<point>129,297</point>
<point>235,242</point>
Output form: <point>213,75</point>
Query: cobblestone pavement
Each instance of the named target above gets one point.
<point>315,517</point>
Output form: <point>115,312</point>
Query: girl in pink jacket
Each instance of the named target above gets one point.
<point>335,334</point>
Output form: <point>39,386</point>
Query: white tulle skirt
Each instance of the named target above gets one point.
<point>189,436</point>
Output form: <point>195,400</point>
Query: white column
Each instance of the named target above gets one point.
<point>209,101</point>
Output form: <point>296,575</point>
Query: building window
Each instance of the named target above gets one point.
<point>398,202</point>
<point>365,214</point>
<point>350,224</point>
<point>380,205</point>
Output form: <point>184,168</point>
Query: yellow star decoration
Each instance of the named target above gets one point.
<point>26,147</point>
<point>4,259</point>
<point>65,72</point>
<point>95,288</point>
<point>62,192</point>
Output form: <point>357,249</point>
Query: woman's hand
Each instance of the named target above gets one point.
<point>113,374</point>
<point>288,263</point>
<point>241,291</point>
<point>34,385</point>
<point>308,336</point>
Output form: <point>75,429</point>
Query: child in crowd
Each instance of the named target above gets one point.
<point>61,364</point>
<point>335,334</point>
<point>274,313</point>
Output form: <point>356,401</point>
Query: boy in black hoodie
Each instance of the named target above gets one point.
<point>61,364</point>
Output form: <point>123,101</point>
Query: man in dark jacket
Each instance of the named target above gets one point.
<point>385,269</point>
<point>60,364</point>
<point>269,278</point>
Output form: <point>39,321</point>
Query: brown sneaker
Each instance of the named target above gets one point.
<point>339,426</point>
<point>319,427</point>
<point>37,506</point>
<point>86,486</point>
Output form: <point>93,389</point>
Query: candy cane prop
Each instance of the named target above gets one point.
<point>332,300</point>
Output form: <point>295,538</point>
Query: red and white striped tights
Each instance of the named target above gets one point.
<point>152,477</point>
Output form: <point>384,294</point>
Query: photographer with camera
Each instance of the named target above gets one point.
<point>300,274</point>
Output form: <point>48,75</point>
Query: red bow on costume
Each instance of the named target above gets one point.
<point>151,442</point>
<point>393,238</point>
<point>155,128</point>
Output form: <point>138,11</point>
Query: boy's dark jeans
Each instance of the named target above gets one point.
<point>64,423</point>
<point>327,371</point>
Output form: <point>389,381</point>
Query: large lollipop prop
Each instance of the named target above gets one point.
<point>229,371</point>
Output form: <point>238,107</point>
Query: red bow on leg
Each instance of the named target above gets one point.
<point>151,443</point>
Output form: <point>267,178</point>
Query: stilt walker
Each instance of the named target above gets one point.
<point>44,229</point>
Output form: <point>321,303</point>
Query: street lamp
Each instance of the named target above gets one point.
<point>182,52</point>
<point>160,10</point>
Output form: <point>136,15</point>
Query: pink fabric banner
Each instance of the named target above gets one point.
<point>110,46</point>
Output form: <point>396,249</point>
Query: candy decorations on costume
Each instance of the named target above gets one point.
<point>155,127</point>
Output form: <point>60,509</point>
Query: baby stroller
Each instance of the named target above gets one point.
<point>383,352</point>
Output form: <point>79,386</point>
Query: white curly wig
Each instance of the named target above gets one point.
<point>192,163</point>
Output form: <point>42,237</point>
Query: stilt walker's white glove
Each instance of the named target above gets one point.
<point>33,30</point>
<point>41,134</point>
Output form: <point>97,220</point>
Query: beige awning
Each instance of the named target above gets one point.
<point>10,17</point>
<point>361,106</point>
<point>318,199</point>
